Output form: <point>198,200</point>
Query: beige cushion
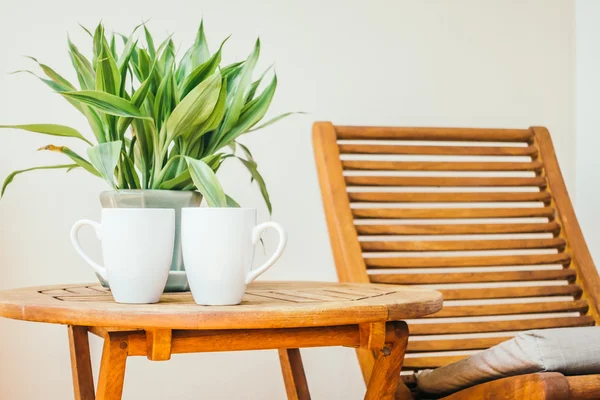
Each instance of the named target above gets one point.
<point>570,351</point>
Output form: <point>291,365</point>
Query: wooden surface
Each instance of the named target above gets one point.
<point>112,366</point>
<point>585,387</point>
<point>294,377</point>
<point>440,208</point>
<point>81,363</point>
<point>265,305</point>
<point>273,315</point>
<point>387,340</point>
<point>388,363</point>
<point>540,386</point>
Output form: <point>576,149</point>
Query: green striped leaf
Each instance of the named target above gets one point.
<point>231,202</point>
<point>206,182</point>
<point>108,77</point>
<point>251,167</point>
<point>239,90</point>
<point>53,75</point>
<point>12,175</point>
<point>194,109</point>
<point>275,119</point>
<point>178,183</point>
<point>213,121</point>
<point>50,129</point>
<point>104,157</point>
<point>252,113</point>
<point>83,68</point>
<point>202,72</point>
<point>82,162</point>
<point>150,43</point>
<point>107,103</point>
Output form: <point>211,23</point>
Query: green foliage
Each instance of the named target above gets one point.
<point>159,122</point>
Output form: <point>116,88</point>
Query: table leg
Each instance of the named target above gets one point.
<point>81,364</point>
<point>296,386</point>
<point>112,366</point>
<point>386,371</point>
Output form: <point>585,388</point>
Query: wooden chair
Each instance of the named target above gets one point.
<point>418,206</point>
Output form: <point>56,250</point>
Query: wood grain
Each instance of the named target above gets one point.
<point>463,245</point>
<point>359,148</point>
<point>586,270</point>
<point>402,181</point>
<point>293,374</point>
<point>266,305</point>
<point>449,197</point>
<point>158,344</point>
<point>585,387</point>
<point>385,375</point>
<point>112,367</point>
<point>453,213</point>
<point>195,341</point>
<point>499,326</point>
<point>440,166</point>
<point>511,292</point>
<point>457,229</point>
<point>540,386</point>
<point>474,277</point>
<point>438,134</point>
<point>565,236</point>
<point>516,308</point>
<point>454,345</point>
<point>471,261</point>
<point>340,222</point>
<point>81,364</point>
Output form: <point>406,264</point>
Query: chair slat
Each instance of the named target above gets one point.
<point>456,229</point>
<point>347,148</point>
<point>440,166</point>
<point>510,292</point>
<point>463,245</point>
<point>476,261</point>
<point>499,326</point>
<point>433,197</point>
<point>537,181</point>
<point>452,213</point>
<point>513,308</point>
<point>473,277</point>
<point>429,362</point>
<point>438,134</point>
<point>454,345</point>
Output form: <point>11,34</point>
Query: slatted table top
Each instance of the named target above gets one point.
<point>265,305</point>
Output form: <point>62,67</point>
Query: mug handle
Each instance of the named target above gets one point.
<point>75,240</point>
<point>256,232</point>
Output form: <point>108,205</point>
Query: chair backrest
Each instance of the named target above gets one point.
<point>482,215</point>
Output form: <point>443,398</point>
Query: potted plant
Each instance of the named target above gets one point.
<point>162,125</point>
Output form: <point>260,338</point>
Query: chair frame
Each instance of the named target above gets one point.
<point>351,266</point>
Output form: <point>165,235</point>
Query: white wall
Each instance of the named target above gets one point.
<point>505,63</point>
<point>587,120</point>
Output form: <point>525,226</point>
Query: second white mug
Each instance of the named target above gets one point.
<point>218,250</point>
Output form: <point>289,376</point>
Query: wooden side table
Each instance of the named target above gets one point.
<point>274,315</point>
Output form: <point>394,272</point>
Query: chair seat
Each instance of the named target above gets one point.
<point>569,351</point>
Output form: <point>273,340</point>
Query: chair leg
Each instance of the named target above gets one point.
<point>294,378</point>
<point>385,376</point>
<point>81,364</point>
<point>112,366</point>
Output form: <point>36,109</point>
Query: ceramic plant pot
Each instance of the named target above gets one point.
<point>174,199</point>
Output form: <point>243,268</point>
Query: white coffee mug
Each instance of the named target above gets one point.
<point>218,250</point>
<point>137,247</point>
